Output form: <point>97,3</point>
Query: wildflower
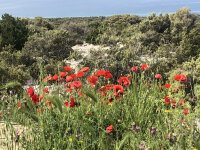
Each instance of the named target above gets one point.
<point>92,80</point>
<point>19,105</point>
<point>158,76</point>
<point>134,68</point>
<point>63,74</point>
<point>137,128</point>
<point>109,100</point>
<point>70,139</point>
<point>73,76</point>
<point>118,90</point>
<point>30,92</point>
<point>100,73</point>
<point>107,75</point>
<point>145,67</point>
<point>167,100</point>
<point>72,103</point>
<point>140,147</point>
<point>167,111</point>
<point>124,81</point>
<point>85,69</point>
<point>77,84</point>
<point>182,102</point>
<point>68,79</point>
<point>55,77</point>
<point>45,79</point>
<point>80,74</point>
<point>168,85</point>
<point>67,69</point>
<point>35,98</point>
<point>180,77</point>
<point>109,129</point>
<point>153,131</point>
<point>3,97</point>
<point>148,148</point>
<point>185,111</point>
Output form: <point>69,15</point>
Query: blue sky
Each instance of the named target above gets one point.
<point>81,8</point>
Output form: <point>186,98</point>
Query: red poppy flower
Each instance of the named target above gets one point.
<point>35,98</point>
<point>145,67</point>
<point>92,80</point>
<point>180,77</point>
<point>77,84</point>
<point>19,105</point>
<point>45,90</point>
<point>63,74</point>
<point>167,100</point>
<point>182,102</point>
<point>109,86</point>
<point>71,104</point>
<point>107,75</point>
<point>45,79</point>
<point>148,83</point>
<point>168,85</point>
<point>67,68</point>
<point>109,100</point>
<point>158,76</point>
<point>30,92</point>
<point>109,129</point>
<point>68,87</point>
<point>124,81</point>
<point>50,78</point>
<point>100,73</point>
<point>69,79</point>
<point>173,101</point>
<point>55,77</point>
<point>80,74</point>
<point>85,69</point>
<point>134,68</point>
<point>185,111</point>
<point>118,90</point>
<point>73,76</point>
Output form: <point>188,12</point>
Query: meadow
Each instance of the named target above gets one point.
<point>89,110</point>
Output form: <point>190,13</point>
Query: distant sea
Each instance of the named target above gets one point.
<point>87,8</point>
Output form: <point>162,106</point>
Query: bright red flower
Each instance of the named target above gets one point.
<point>50,78</point>
<point>35,98</point>
<point>124,81</point>
<point>85,69</point>
<point>77,84</point>
<point>67,69</point>
<point>45,79</point>
<point>71,104</point>
<point>185,111</point>
<point>92,80</point>
<point>80,74</point>
<point>158,76</point>
<point>180,77</point>
<point>69,79</point>
<point>109,100</point>
<point>30,92</point>
<point>173,101</point>
<point>100,73</point>
<point>45,90</point>
<point>134,68</point>
<point>19,105</point>
<point>63,74</point>
<point>109,129</point>
<point>167,100</point>
<point>107,75</point>
<point>55,77</point>
<point>109,86</point>
<point>168,85</point>
<point>182,102</point>
<point>118,90</point>
<point>73,76</point>
<point>145,67</point>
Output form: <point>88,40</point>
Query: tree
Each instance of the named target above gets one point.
<point>53,44</point>
<point>13,31</point>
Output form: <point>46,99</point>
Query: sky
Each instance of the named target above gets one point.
<point>86,8</point>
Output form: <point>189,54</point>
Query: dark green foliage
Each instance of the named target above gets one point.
<point>13,31</point>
